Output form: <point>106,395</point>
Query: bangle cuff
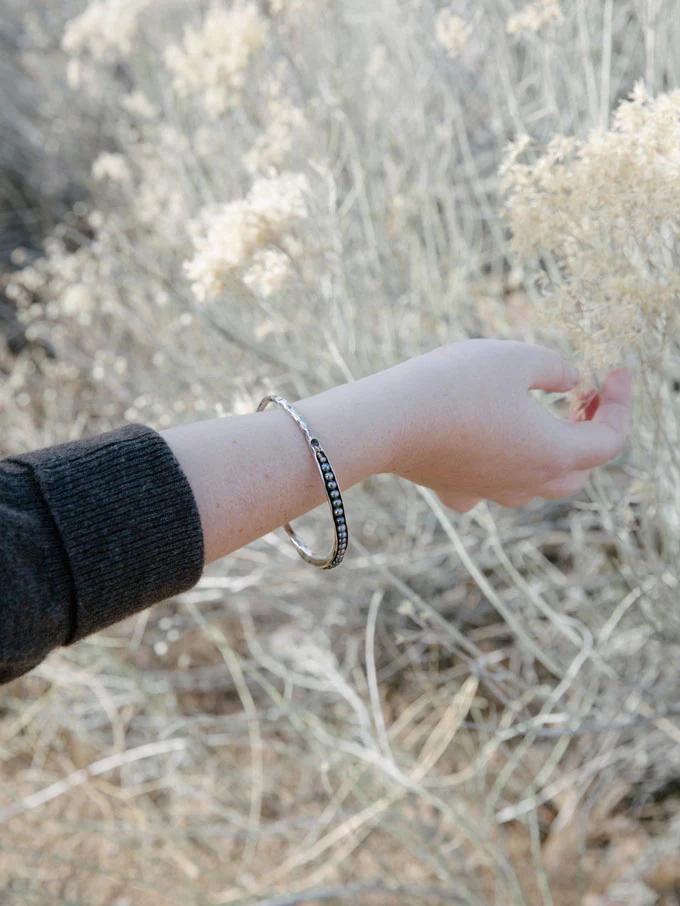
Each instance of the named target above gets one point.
<point>337,507</point>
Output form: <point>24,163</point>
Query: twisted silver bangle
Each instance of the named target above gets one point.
<point>332,492</point>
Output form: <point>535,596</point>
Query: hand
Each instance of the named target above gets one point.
<point>470,429</point>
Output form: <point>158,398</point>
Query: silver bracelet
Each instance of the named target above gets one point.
<point>332,492</point>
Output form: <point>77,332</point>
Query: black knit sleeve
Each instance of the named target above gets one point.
<point>91,532</point>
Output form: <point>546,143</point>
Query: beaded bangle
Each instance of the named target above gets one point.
<point>332,491</point>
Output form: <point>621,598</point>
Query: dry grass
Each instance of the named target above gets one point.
<point>476,709</point>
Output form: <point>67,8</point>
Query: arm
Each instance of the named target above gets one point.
<point>91,531</point>
<point>458,419</point>
<point>252,473</point>
<point>96,530</point>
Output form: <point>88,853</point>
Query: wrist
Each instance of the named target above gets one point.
<point>421,408</point>
<point>356,426</point>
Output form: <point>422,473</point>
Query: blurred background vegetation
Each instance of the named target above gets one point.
<point>476,708</point>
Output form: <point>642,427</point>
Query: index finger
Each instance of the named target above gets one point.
<point>547,370</point>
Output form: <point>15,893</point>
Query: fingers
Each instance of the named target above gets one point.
<point>595,434</point>
<point>513,499</point>
<point>547,370</point>
<point>592,443</point>
<point>566,486</point>
<point>462,503</point>
<point>583,409</point>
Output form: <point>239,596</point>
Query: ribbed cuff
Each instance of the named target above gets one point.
<point>127,519</point>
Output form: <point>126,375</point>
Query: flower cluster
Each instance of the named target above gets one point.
<point>137,104</point>
<point>284,120</point>
<point>452,32</point>
<point>243,238</point>
<point>269,272</point>
<point>397,248</point>
<point>104,30</point>
<point>534,16</point>
<point>596,223</point>
<point>281,7</point>
<point>212,60</point>
<point>111,166</point>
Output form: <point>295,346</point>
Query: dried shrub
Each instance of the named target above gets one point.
<point>419,727</point>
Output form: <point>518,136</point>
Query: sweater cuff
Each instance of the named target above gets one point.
<point>128,522</point>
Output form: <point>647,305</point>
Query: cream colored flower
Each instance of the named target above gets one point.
<point>137,104</point>
<point>159,202</point>
<point>452,32</point>
<point>595,222</point>
<point>104,30</point>
<point>75,299</point>
<point>110,166</point>
<point>269,273</point>
<point>280,200</point>
<point>232,238</point>
<point>276,141</point>
<point>534,16</point>
<point>289,7</point>
<point>211,61</point>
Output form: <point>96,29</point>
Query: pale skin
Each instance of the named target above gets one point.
<point>459,419</point>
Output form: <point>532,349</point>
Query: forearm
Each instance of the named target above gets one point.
<point>252,473</point>
<point>97,529</point>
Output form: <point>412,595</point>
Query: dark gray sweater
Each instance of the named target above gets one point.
<point>90,532</point>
